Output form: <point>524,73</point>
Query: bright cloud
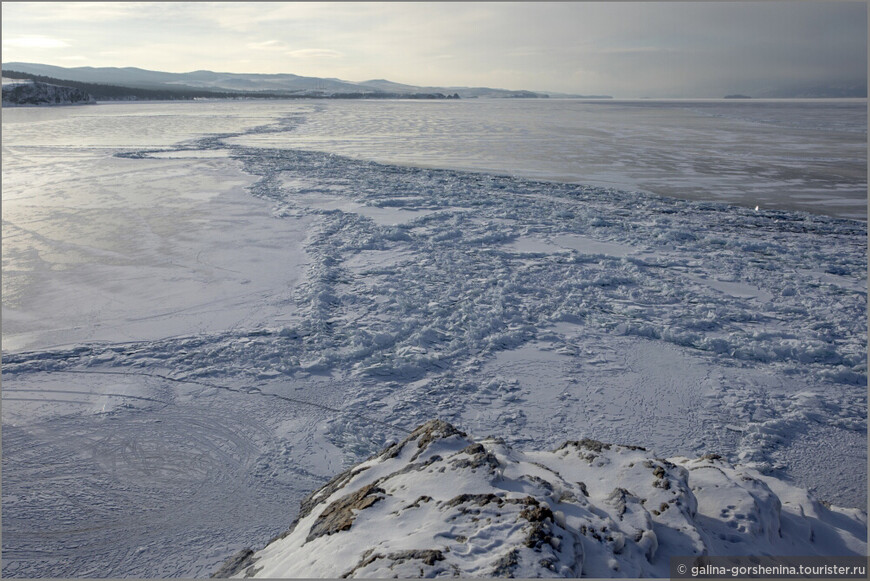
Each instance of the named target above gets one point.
<point>268,45</point>
<point>34,41</point>
<point>315,53</point>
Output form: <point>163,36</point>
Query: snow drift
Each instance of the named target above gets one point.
<point>441,503</point>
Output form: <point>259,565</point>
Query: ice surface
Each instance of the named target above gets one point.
<point>183,362</point>
<point>787,154</point>
<point>86,260</point>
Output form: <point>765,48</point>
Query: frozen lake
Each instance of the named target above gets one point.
<point>209,309</point>
<point>792,154</point>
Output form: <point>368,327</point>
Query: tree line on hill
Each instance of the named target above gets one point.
<point>102,92</point>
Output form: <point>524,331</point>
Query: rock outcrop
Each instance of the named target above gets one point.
<point>440,503</point>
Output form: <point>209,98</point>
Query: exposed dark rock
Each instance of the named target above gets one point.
<point>534,511</point>
<point>427,556</point>
<point>506,564</point>
<point>541,482</point>
<point>479,457</point>
<point>416,503</point>
<point>541,519</point>
<point>587,443</point>
<point>425,434</point>
<point>327,489</point>
<point>339,515</point>
<point>234,564</point>
<point>619,498</point>
<point>478,499</point>
<point>596,446</point>
<point>431,431</point>
<point>418,466</point>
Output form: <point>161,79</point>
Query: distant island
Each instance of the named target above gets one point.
<point>129,83</point>
<point>736,97</point>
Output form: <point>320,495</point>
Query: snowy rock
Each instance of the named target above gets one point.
<point>441,503</point>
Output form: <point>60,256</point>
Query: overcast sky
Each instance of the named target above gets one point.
<point>625,49</point>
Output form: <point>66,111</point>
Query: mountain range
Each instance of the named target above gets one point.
<point>287,84</point>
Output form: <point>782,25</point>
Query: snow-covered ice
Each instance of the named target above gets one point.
<point>185,361</point>
<point>794,154</point>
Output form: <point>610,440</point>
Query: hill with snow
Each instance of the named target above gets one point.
<point>251,82</point>
<point>442,503</point>
<point>18,93</point>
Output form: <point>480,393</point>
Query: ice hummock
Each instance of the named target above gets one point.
<point>444,503</point>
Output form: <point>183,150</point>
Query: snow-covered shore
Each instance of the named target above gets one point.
<point>440,503</point>
<point>178,344</point>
